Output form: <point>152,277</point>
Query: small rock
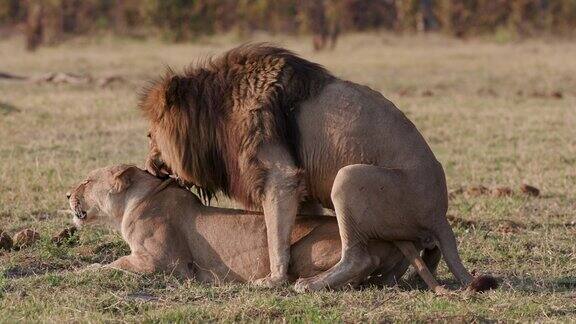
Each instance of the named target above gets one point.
<point>530,190</point>
<point>460,222</point>
<point>65,236</point>
<point>538,94</point>
<point>25,238</point>
<point>510,227</point>
<point>404,92</point>
<point>106,81</point>
<point>6,242</point>
<point>487,92</point>
<point>501,192</point>
<point>453,193</point>
<point>62,77</point>
<point>557,94</point>
<point>476,191</point>
<point>427,93</point>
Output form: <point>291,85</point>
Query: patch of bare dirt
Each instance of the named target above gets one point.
<point>497,192</point>
<point>503,226</point>
<point>554,94</point>
<point>67,78</point>
<point>460,222</point>
<point>33,267</point>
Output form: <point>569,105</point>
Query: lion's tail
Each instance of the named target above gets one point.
<point>447,241</point>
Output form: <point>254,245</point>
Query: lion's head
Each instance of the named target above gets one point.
<point>100,196</point>
<point>181,141</point>
<point>208,123</point>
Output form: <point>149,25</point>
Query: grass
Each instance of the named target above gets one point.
<point>494,114</point>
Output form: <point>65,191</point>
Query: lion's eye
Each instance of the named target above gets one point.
<point>149,135</point>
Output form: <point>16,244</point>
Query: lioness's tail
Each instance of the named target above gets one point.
<point>447,242</point>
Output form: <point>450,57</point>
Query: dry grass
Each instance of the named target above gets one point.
<point>491,113</point>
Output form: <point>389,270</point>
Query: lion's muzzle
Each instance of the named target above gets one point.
<point>155,166</point>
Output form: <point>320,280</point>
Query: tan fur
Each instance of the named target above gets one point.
<point>168,229</point>
<point>271,129</point>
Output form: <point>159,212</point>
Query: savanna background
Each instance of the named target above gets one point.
<point>491,84</point>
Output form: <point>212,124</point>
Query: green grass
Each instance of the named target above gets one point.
<point>488,110</point>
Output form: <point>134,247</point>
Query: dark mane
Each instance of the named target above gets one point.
<point>210,121</point>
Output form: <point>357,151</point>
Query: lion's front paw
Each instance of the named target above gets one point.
<point>306,284</point>
<point>271,282</point>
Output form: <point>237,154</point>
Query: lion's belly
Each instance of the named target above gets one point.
<point>352,124</point>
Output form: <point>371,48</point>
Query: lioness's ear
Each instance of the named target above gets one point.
<point>122,179</point>
<point>176,90</point>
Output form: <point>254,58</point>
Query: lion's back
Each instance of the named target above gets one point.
<point>348,124</point>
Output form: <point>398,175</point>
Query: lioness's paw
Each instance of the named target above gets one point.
<point>271,282</point>
<point>441,291</point>
<point>92,267</point>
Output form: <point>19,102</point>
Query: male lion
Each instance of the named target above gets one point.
<point>169,229</point>
<point>271,130</point>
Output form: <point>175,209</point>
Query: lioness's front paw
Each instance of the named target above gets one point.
<point>92,267</point>
<point>441,291</point>
<point>271,282</point>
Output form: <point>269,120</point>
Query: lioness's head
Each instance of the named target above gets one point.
<point>101,196</point>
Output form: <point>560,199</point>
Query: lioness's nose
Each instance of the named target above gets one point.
<point>68,195</point>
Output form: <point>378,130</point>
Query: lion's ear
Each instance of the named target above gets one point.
<point>122,179</point>
<point>176,91</point>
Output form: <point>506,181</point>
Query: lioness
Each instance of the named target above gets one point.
<point>271,130</point>
<point>169,229</point>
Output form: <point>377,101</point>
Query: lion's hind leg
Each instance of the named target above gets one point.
<point>357,261</point>
<point>355,265</point>
<point>371,204</point>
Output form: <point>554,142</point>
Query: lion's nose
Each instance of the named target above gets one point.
<point>68,195</point>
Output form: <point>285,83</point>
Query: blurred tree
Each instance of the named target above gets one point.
<point>34,28</point>
<point>426,18</point>
<point>51,21</point>
<point>12,11</point>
